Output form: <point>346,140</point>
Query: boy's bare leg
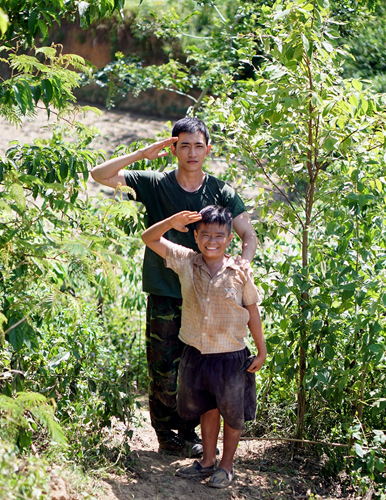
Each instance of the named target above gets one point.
<point>210,427</point>
<point>230,442</point>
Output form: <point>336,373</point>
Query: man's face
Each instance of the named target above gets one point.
<point>212,240</point>
<point>191,151</point>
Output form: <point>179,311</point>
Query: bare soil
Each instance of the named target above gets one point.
<point>264,469</point>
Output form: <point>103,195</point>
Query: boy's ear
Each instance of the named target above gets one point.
<point>173,149</point>
<point>208,148</point>
<point>195,235</point>
<point>230,238</point>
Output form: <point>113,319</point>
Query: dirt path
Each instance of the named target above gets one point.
<point>264,470</point>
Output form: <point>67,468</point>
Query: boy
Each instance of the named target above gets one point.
<point>219,301</point>
<point>164,194</point>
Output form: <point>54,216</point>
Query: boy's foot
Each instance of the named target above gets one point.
<point>221,478</point>
<point>196,470</point>
<point>171,444</point>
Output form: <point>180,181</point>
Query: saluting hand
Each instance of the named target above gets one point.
<point>180,220</point>
<point>155,150</point>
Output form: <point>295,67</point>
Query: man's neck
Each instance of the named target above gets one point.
<point>190,181</point>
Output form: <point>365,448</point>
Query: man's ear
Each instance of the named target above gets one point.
<point>195,235</point>
<point>230,239</point>
<point>173,149</point>
<point>208,148</point>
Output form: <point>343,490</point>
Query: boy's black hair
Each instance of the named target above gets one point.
<point>190,125</point>
<point>213,214</point>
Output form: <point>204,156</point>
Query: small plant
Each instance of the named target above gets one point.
<point>25,415</point>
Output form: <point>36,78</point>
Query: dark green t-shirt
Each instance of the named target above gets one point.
<point>163,196</point>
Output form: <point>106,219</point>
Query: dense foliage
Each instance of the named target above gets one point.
<point>267,77</point>
<point>270,84</point>
<point>64,366</point>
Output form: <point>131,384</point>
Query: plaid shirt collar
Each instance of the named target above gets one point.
<point>230,262</point>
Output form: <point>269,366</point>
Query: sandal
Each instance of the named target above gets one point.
<point>196,470</point>
<point>221,478</point>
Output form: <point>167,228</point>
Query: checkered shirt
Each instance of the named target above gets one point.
<point>213,317</point>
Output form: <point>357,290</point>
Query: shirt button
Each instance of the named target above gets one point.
<point>203,334</point>
<point>208,299</point>
<point>206,317</point>
<point>211,281</point>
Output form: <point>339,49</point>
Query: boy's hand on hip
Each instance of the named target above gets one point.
<point>182,219</point>
<point>256,364</point>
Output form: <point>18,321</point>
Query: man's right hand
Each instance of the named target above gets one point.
<point>155,150</point>
<point>111,173</point>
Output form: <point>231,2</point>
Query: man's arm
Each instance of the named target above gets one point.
<point>243,227</point>
<point>110,172</point>
<point>256,329</point>
<point>152,237</point>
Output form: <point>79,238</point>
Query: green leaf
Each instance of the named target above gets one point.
<point>47,90</point>
<point>17,193</point>
<point>282,289</point>
<point>59,358</point>
<point>357,85</point>
<point>324,376</point>
<point>329,352</point>
<point>379,464</point>
<point>16,338</point>
<point>306,43</point>
<point>329,144</point>
<point>4,21</point>
<point>359,450</point>
<point>32,25</point>
<point>316,325</point>
<point>376,348</point>
<point>43,28</point>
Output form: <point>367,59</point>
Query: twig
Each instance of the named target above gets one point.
<point>306,441</point>
<point>369,494</point>
<point>294,440</point>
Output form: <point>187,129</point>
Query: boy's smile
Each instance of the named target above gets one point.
<point>212,240</point>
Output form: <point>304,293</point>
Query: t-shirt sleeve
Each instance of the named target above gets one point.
<point>142,183</point>
<point>250,293</point>
<point>231,200</point>
<point>177,257</point>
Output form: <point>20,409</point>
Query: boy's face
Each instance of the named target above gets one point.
<point>212,240</point>
<point>191,151</point>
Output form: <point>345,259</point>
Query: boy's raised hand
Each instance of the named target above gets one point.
<point>155,150</point>
<point>182,219</point>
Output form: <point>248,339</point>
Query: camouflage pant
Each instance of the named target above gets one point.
<point>163,348</point>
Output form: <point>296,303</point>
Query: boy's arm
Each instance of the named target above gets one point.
<point>256,330</point>
<point>152,237</point>
<point>111,172</point>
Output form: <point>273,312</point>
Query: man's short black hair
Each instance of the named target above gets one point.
<point>213,214</point>
<point>190,125</point>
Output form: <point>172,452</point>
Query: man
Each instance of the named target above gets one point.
<point>164,194</point>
